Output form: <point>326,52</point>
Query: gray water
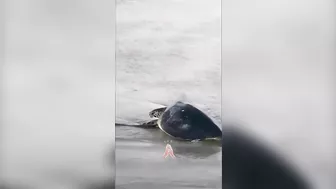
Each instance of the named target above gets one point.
<point>277,81</point>
<point>166,51</point>
<point>140,162</point>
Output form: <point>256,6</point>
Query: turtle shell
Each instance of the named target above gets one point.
<point>186,122</point>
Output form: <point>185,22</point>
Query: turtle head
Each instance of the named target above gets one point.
<point>156,113</point>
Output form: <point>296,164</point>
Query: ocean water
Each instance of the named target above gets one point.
<point>271,72</point>
<point>140,162</point>
<point>166,51</point>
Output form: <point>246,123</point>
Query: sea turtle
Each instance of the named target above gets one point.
<point>184,121</point>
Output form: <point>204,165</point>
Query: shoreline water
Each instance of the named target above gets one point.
<point>140,162</point>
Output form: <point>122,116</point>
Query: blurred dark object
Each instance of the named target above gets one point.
<point>248,164</point>
<point>103,185</point>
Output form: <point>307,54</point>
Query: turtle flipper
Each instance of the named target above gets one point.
<point>157,112</point>
<point>150,124</point>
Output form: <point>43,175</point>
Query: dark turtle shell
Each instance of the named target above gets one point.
<point>186,122</point>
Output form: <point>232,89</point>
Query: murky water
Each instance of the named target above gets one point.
<point>166,51</point>
<point>140,162</point>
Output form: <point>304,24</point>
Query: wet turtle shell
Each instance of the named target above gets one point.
<point>186,122</point>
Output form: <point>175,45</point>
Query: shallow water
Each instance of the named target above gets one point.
<point>140,162</point>
<point>166,51</point>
